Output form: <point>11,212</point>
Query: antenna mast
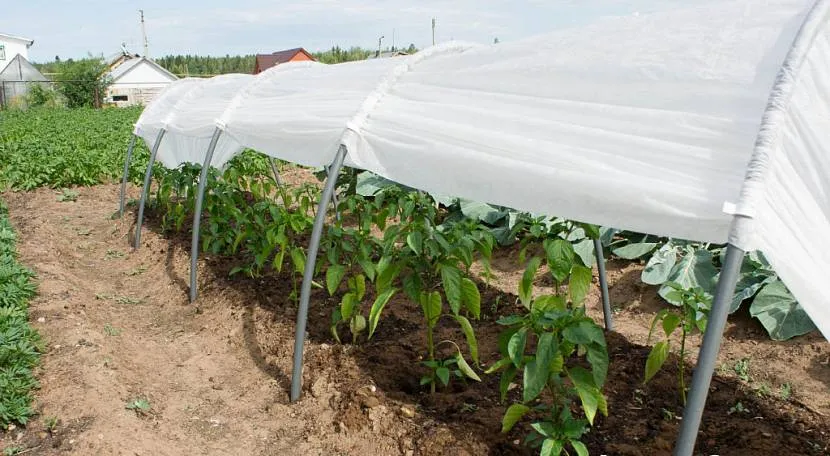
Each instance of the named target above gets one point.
<point>144,34</point>
<point>433,31</point>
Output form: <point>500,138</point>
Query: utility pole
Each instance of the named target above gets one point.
<point>379,40</point>
<point>433,31</point>
<point>393,40</point>
<point>144,34</point>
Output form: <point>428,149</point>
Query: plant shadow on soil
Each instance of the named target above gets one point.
<point>644,419</point>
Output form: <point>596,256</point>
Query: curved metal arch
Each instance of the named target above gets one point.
<point>127,161</point>
<point>146,188</point>
<point>197,214</point>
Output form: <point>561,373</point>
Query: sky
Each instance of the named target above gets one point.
<point>75,28</point>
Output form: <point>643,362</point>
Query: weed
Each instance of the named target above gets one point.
<point>741,369</point>
<point>668,415</point>
<point>67,195</point>
<point>136,271</point>
<point>786,391</point>
<point>111,331</point>
<point>113,254</point>
<point>763,390</point>
<point>12,450</point>
<point>738,408</point>
<point>127,300</point>
<point>50,423</point>
<point>140,405</point>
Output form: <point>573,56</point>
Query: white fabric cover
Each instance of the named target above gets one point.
<point>649,122</point>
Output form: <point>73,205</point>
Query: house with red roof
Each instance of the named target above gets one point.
<point>265,61</point>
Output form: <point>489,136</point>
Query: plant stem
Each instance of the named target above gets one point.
<point>431,350</point>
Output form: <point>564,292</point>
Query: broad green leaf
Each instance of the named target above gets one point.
<point>656,359</point>
<point>481,211</point>
<point>579,447</point>
<point>512,416</point>
<point>526,284</point>
<point>431,305</point>
<point>335,319</point>
<point>358,286</point>
<point>670,323</point>
<point>357,324</point>
<point>467,328</point>
<point>748,286</point>
<point>606,235</point>
<point>368,268</point>
<point>591,231</point>
<point>298,259</point>
<point>347,305</point>
<point>660,265</point>
<point>466,369</point>
<point>369,184</point>
<point>509,320</point>
<point>557,363</point>
<point>588,393</point>
<point>537,371</point>
<point>415,241</point>
<point>560,255</point>
<point>412,286</point>
<point>443,374</point>
<point>516,346</point>
<point>334,275</point>
<point>584,249</point>
<point>634,250</point>
<point>544,428</point>
<point>551,447</point>
<point>598,357</point>
<point>546,303</point>
<point>584,333</point>
<point>386,276</point>
<point>471,297</point>
<point>579,284</point>
<point>779,312</point>
<point>499,365</point>
<point>695,269</point>
<point>451,280</point>
<point>377,308</point>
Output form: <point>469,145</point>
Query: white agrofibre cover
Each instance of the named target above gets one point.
<point>667,123</point>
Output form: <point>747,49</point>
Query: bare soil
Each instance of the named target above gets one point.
<point>118,327</point>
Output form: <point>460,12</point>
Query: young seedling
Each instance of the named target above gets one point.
<point>140,405</point>
<point>67,195</point>
<point>693,313</point>
<point>741,369</point>
<point>786,391</point>
<point>111,331</point>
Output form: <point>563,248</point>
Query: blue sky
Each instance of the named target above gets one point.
<point>74,28</point>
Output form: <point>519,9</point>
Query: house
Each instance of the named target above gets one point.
<point>387,54</point>
<point>136,80</point>
<point>265,61</point>
<point>11,46</point>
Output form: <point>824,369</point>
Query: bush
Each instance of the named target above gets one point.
<point>83,82</point>
<point>41,95</point>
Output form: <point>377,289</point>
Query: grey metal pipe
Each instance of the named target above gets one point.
<point>603,286</point>
<point>276,173</point>
<point>308,273</point>
<point>197,214</point>
<point>127,161</point>
<point>708,357</point>
<point>146,189</point>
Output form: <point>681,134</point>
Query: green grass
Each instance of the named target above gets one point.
<point>19,343</point>
<point>59,147</point>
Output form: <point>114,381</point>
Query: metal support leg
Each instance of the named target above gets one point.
<point>308,274</point>
<point>334,201</point>
<point>709,352</point>
<point>603,286</point>
<point>146,189</point>
<point>127,161</point>
<point>197,215</point>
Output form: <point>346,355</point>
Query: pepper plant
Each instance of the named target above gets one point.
<point>692,314</point>
<point>550,345</point>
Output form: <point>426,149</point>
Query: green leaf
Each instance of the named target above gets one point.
<point>537,371</point>
<point>526,284</point>
<point>512,416</point>
<point>695,269</point>
<point>415,241</point>
<point>451,279</point>
<point>656,359</point>
<point>347,305</point>
<point>467,328</point>
<point>334,275</point>
<point>431,305</point>
<point>748,286</point>
<point>471,297</point>
<point>551,447</point>
<point>779,312</point>
<point>560,258</point>
<point>670,323</point>
<point>598,357</point>
<point>584,249</point>
<point>481,211</point>
<point>443,374</point>
<point>499,365</point>
<point>583,333</point>
<point>368,268</point>
<point>466,369</point>
<point>546,303</point>
<point>516,346</point>
<point>386,275</point>
<point>298,259</point>
<point>579,283</point>
<point>377,308</point>
<point>507,377</point>
<point>660,265</point>
<point>369,184</point>
<point>588,393</point>
<point>634,251</point>
<point>579,447</point>
<point>357,284</point>
<point>412,286</point>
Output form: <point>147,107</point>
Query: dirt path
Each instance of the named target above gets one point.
<point>118,327</point>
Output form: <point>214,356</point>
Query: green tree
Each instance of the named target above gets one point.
<point>82,82</point>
